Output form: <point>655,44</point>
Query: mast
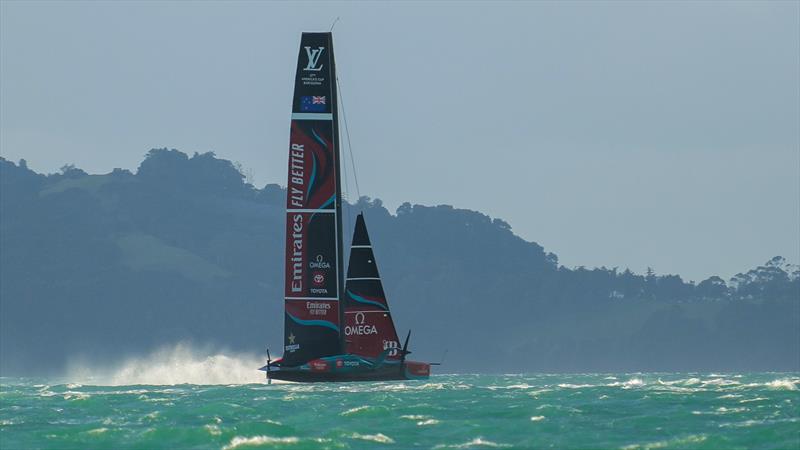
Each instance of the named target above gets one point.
<point>314,278</point>
<point>339,229</point>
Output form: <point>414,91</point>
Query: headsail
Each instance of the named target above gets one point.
<point>369,328</point>
<point>313,210</point>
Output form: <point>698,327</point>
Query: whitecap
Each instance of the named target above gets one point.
<point>477,442</point>
<point>574,386</point>
<point>749,400</point>
<point>691,439</point>
<point>97,431</point>
<point>537,418</point>
<point>538,391</point>
<point>559,407</point>
<point>684,382</point>
<point>633,382</point>
<point>427,422</point>
<point>745,424</point>
<point>239,441</point>
<point>436,386</point>
<point>511,386</point>
<point>414,417</point>
<point>724,410</point>
<point>720,382</point>
<point>70,395</point>
<point>720,411</point>
<point>783,383</point>
<point>212,429</point>
<point>379,438</point>
<point>729,396</point>
<point>355,410</point>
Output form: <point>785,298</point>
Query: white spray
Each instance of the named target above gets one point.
<point>177,364</point>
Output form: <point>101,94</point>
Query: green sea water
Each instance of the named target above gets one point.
<point>614,411</point>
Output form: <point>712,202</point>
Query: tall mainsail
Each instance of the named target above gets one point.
<point>313,210</point>
<point>369,328</point>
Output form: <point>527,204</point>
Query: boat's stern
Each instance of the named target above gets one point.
<point>415,370</point>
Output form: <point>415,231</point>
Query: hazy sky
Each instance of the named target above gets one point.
<point>617,134</point>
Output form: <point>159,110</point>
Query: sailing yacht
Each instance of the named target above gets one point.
<point>335,328</point>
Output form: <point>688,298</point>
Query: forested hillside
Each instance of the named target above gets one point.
<point>104,266</point>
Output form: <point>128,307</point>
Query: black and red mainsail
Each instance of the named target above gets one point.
<point>313,210</point>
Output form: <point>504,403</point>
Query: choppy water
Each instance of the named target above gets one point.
<point>618,411</point>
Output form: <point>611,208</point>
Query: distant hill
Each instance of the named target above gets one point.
<point>110,265</point>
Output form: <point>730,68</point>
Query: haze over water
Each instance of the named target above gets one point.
<point>138,405</point>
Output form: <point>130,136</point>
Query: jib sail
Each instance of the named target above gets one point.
<point>368,326</point>
<point>313,210</point>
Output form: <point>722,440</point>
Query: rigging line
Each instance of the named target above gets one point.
<point>334,23</point>
<point>349,142</point>
<point>346,207</point>
<point>345,204</point>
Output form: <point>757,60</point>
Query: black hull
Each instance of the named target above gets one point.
<point>410,370</point>
<point>312,377</point>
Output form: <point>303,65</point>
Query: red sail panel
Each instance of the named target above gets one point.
<point>370,333</point>
<point>368,328</point>
<point>313,219</point>
<point>312,166</point>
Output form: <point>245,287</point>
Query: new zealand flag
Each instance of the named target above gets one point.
<point>313,103</point>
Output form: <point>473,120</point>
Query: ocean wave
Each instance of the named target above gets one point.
<point>537,418</point>
<point>75,395</point>
<point>379,438</point>
<point>414,417</point>
<point>512,386</point>
<point>783,383</point>
<point>240,441</point>
<point>729,396</point>
<point>750,400</point>
<point>355,410</point>
<point>212,429</point>
<point>559,407</point>
<point>477,442</point>
<point>681,441</point>
<point>754,422</point>
<point>789,384</point>
<point>720,411</point>
<point>631,383</point>
<point>425,422</point>
<point>720,382</point>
